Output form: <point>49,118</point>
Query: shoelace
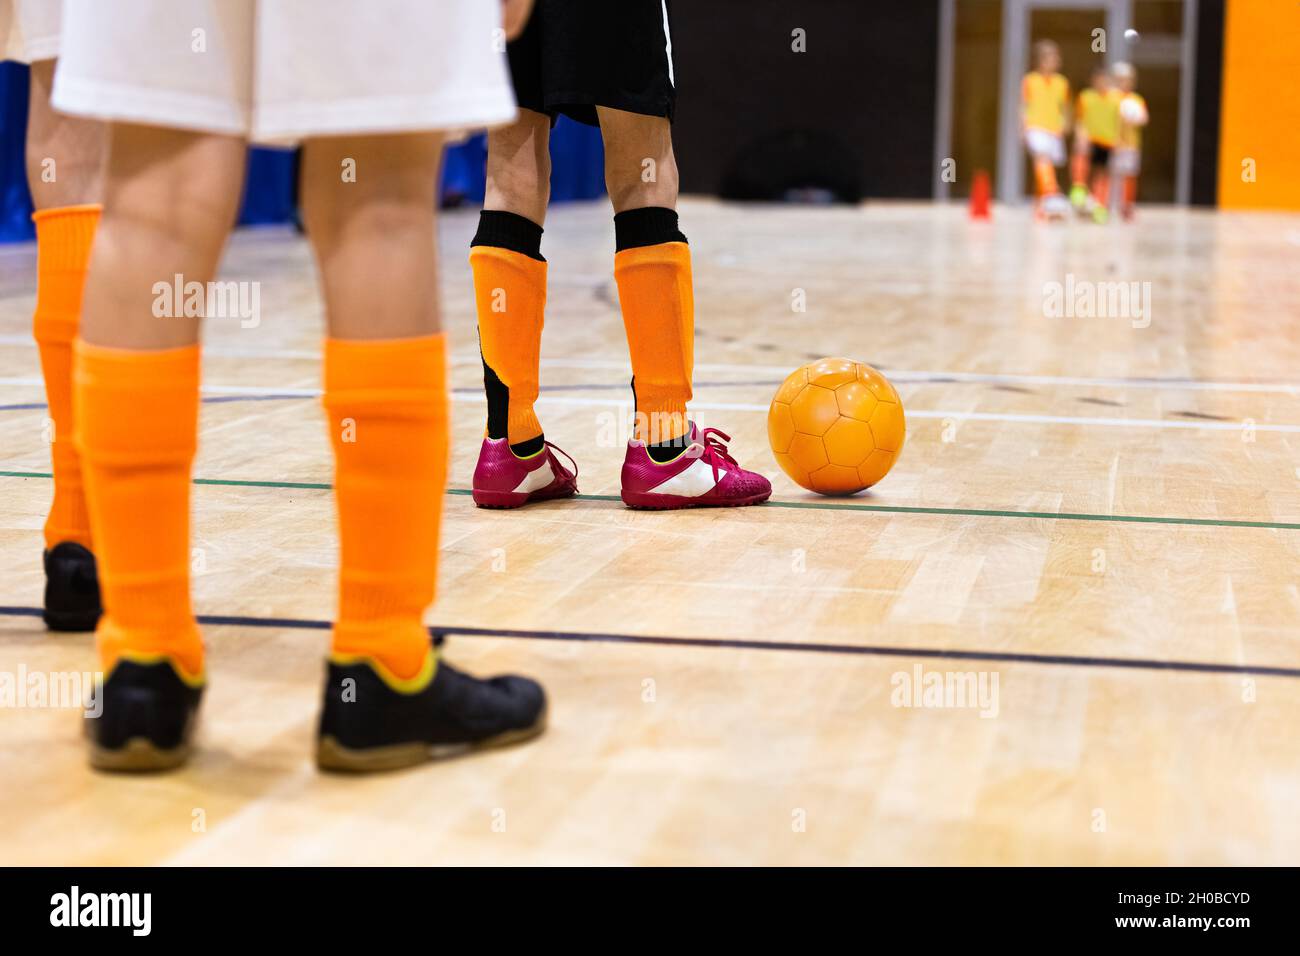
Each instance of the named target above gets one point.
<point>715,451</point>
<point>574,480</point>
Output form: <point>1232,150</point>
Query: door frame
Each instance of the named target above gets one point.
<point>1015,64</point>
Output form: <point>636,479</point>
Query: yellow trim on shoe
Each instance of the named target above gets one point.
<point>141,657</point>
<point>646,446</point>
<point>403,685</point>
<point>527,457</point>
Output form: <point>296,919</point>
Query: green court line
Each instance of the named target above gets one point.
<point>313,485</point>
<point>822,506</point>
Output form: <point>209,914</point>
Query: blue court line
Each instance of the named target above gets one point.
<point>859,650</point>
<point>210,400</point>
<point>274,397</point>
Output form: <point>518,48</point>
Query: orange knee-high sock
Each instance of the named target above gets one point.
<point>658,302</point>
<point>1079,169</point>
<point>63,240</point>
<point>510,295</point>
<point>386,401</point>
<point>1130,191</point>
<point>1045,176</point>
<point>137,424</point>
<point>1101,188</point>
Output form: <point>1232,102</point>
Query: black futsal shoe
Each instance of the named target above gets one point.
<point>71,588</point>
<point>142,716</point>
<point>373,721</point>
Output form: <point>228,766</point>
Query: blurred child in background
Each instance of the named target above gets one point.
<point>1096,130</point>
<point>1045,98</point>
<point>1127,161</point>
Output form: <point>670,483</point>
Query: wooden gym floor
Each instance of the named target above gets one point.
<point>1103,518</point>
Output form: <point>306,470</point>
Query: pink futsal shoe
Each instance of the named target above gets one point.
<point>504,480</point>
<point>702,476</point>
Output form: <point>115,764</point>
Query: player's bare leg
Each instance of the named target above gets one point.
<point>519,167</point>
<point>65,155</point>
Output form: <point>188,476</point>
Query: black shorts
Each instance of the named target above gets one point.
<point>1100,155</point>
<point>575,55</point>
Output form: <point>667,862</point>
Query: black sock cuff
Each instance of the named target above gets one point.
<point>648,226</point>
<point>508,230</point>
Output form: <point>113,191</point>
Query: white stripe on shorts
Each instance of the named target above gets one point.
<point>668,43</point>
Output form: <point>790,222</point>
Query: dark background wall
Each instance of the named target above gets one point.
<point>867,81</point>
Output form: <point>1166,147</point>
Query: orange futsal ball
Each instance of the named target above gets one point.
<point>836,426</point>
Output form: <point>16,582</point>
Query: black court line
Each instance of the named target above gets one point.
<point>860,650</point>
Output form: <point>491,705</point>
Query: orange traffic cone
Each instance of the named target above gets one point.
<point>979,195</point>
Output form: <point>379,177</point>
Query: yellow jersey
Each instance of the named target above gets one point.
<point>1130,134</point>
<point>1099,114</point>
<point>1045,98</point>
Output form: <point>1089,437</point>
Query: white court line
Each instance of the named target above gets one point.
<point>923,375</point>
<point>902,376</point>
<point>587,402</point>
<point>1231,426</point>
<point>584,402</point>
<point>227,351</point>
<point>1180,384</point>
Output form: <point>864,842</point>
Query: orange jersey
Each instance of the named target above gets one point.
<point>1045,99</point>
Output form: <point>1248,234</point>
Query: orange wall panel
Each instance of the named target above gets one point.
<point>1261,105</point>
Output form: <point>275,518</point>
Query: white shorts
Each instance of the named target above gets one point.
<point>1042,143</point>
<point>29,30</point>
<point>1125,161</point>
<point>279,70</point>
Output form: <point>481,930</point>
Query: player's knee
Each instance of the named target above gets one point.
<point>378,206</point>
<point>519,161</point>
<point>132,233</point>
<point>642,182</point>
<point>329,215</point>
<point>190,197</point>
<point>521,184</point>
<point>64,182</point>
<point>394,218</point>
<point>38,159</point>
